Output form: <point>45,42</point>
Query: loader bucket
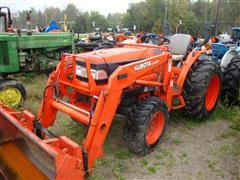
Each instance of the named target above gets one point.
<point>23,155</point>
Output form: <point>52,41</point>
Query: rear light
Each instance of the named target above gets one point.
<point>97,75</point>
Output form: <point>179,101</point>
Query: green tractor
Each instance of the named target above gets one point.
<point>24,52</point>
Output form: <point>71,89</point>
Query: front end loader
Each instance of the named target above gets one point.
<point>142,82</point>
<point>24,155</point>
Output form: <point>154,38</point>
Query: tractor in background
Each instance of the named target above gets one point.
<point>5,20</point>
<point>227,54</point>
<point>96,41</point>
<point>154,39</point>
<point>27,52</point>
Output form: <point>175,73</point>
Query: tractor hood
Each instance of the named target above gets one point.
<point>119,55</point>
<point>108,60</point>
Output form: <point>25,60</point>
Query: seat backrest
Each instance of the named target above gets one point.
<point>179,44</point>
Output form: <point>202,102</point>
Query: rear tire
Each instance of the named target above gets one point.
<point>231,83</point>
<point>202,88</point>
<point>146,125</point>
<point>14,90</point>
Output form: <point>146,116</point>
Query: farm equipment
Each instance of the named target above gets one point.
<point>143,82</point>
<point>22,53</point>
<point>65,25</point>
<point>95,42</point>
<point>228,56</point>
<point>51,27</point>
<point>154,39</point>
<point>5,20</point>
<point>27,52</point>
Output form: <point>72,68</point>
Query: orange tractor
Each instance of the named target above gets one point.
<point>143,82</point>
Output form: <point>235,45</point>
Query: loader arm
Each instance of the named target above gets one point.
<point>99,118</point>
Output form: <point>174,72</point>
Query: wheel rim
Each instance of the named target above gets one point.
<point>10,96</point>
<point>212,93</point>
<point>155,128</point>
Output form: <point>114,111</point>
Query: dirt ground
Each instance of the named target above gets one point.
<point>189,150</point>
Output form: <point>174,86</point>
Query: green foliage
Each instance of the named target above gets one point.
<point>148,16</point>
<point>100,21</point>
<point>177,141</point>
<point>144,162</point>
<point>213,166</point>
<point>152,169</point>
<point>231,114</point>
<point>122,154</point>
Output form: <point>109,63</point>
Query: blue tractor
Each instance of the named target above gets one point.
<point>227,54</point>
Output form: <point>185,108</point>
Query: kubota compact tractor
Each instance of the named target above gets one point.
<point>144,82</point>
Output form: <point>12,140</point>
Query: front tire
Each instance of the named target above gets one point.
<point>202,88</point>
<point>231,83</point>
<point>146,125</point>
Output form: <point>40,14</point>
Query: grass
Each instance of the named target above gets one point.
<point>152,169</point>
<point>144,162</point>
<point>229,134</point>
<point>200,175</point>
<point>236,150</point>
<point>184,157</point>
<point>230,114</point>
<point>122,154</point>
<point>166,157</point>
<point>118,169</point>
<point>35,88</point>
<point>212,165</point>
<point>225,148</point>
<point>177,141</point>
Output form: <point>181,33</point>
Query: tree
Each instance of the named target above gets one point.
<point>147,15</point>
<point>115,19</point>
<point>71,11</point>
<point>100,21</point>
<point>52,13</point>
<point>80,24</point>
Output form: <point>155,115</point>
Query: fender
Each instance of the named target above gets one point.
<point>227,58</point>
<point>191,59</point>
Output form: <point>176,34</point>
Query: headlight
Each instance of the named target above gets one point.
<point>81,71</point>
<point>100,74</point>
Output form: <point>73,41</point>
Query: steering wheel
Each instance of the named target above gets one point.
<point>162,40</point>
<point>165,40</point>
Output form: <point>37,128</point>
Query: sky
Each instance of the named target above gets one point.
<point>102,6</point>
